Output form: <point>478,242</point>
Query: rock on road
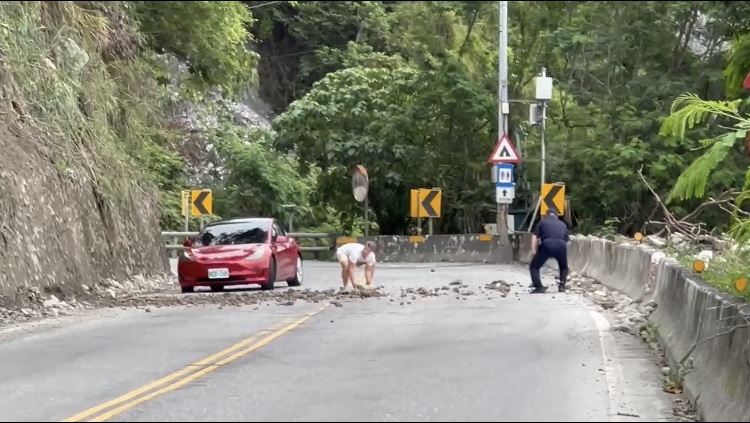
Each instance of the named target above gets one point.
<point>405,357</point>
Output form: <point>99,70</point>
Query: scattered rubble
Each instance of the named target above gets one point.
<point>706,249</point>
<point>630,316</point>
<point>148,294</point>
<point>459,290</point>
<point>32,303</point>
<point>501,286</point>
<point>280,297</point>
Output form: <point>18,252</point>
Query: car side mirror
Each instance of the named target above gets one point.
<point>281,238</point>
<point>188,243</point>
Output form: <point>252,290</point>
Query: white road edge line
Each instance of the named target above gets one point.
<point>613,374</point>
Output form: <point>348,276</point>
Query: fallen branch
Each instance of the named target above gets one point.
<point>734,209</point>
<point>725,198</point>
<point>695,232</point>
<point>710,338</point>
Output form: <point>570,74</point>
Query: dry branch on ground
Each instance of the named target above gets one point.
<point>687,225</point>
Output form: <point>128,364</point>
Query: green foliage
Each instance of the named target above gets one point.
<point>609,229</point>
<point>416,113</point>
<point>738,65</point>
<point>211,36</point>
<point>347,120</point>
<point>687,112</point>
<point>729,125</point>
<point>724,271</point>
<point>407,89</point>
<point>259,182</point>
<point>167,171</point>
<point>616,67</point>
<point>52,60</point>
<point>692,183</point>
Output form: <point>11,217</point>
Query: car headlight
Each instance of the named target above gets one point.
<point>255,255</point>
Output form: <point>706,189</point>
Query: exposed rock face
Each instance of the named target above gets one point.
<point>58,232</point>
<point>197,119</point>
<point>61,239</point>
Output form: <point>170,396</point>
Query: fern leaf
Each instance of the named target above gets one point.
<point>740,231</point>
<point>689,110</point>
<point>692,183</point>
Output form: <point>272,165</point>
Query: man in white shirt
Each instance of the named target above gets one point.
<point>355,254</point>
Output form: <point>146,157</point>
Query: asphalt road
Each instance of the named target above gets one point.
<point>477,358</point>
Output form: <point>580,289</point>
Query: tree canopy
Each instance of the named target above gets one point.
<point>409,90</point>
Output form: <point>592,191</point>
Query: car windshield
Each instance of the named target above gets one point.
<point>234,234</point>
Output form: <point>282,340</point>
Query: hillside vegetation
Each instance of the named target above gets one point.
<point>407,89</point>
<point>418,82</point>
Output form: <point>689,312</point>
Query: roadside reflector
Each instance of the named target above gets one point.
<point>741,284</point>
<point>699,266</point>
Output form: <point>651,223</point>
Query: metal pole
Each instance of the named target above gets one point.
<point>289,208</point>
<point>419,215</point>
<point>542,128</point>
<point>186,200</point>
<point>503,68</point>
<point>367,217</point>
<point>502,98</point>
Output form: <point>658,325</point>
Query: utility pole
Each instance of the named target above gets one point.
<point>543,96</point>
<point>502,105</point>
<point>543,127</point>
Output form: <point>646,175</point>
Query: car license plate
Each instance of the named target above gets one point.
<point>218,273</point>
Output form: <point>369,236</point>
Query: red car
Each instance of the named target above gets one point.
<point>255,251</point>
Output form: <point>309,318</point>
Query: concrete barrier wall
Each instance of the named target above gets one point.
<point>479,248</point>
<point>623,267</point>
<point>690,315</point>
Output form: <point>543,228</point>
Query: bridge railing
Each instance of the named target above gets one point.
<point>312,245</point>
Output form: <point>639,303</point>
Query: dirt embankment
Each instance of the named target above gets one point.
<point>75,213</point>
<point>57,232</point>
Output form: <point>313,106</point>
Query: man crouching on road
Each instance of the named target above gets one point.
<point>552,237</point>
<point>355,254</point>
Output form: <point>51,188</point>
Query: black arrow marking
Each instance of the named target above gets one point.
<point>549,199</point>
<point>505,193</point>
<point>427,204</point>
<point>198,203</point>
<point>504,152</point>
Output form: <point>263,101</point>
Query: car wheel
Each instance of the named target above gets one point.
<point>187,289</point>
<point>271,282</point>
<point>298,275</point>
<point>217,288</point>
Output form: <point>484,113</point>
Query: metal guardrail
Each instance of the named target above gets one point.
<point>174,242</point>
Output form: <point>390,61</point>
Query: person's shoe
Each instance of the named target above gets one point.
<point>560,287</point>
<point>539,290</point>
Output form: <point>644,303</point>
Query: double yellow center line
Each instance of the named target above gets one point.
<point>188,374</point>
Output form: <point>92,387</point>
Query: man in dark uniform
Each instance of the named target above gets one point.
<point>551,236</point>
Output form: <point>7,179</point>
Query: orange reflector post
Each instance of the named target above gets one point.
<point>699,266</point>
<point>741,284</point>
